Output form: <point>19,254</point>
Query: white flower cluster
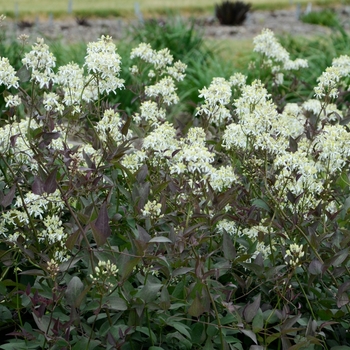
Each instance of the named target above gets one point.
<point>294,254</point>
<point>105,274</point>
<point>324,112</point>
<point>162,62</point>
<point>328,82</point>
<point>103,62</point>
<point>216,96</point>
<point>41,61</point>
<point>165,89</point>
<point>51,102</point>
<point>277,56</point>
<point>152,209</point>
<point>151,113</point>
<point>193,155</point>
<point>7,74</point>
<point>161,141</point>
<point>44,207</point>
<point>257,118</point>
<point>110,126</point>
<point>71,78</point>
<point>333,145</point>
<point>12,101</point>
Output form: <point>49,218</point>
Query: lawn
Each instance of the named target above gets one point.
<point>126,8</point>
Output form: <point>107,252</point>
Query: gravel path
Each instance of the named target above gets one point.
<point>69,30</point>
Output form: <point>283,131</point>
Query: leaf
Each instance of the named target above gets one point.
<point>342,299</point>
<point>128,267</point>
<point>43,323</point>
<point>8,198</point>
<point>196,308</point>
<point>73,291</point>
<point>50,184</point>
<point>338,258</point>
<point>182,271</point>
<point>250,334</point>
<point>228,248</point>
<point>160,240</point>
<point>38,186</point>
<point>181,328</point>
<point>251,310</point>
<point>259,203</point>
<point>149,291</point>
<point>86,343</point>
<point>115,303</point>
<point>258,322</point>
<point>143,234</point>
<point>341,347</point>
<point>149,333</point>
<point>100,228</point>
<point>315,267</point>
<point>24,74</point>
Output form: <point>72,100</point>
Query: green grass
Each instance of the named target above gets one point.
<point>325,17</point>
<point>105,8</point>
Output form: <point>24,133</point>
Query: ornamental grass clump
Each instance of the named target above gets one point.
<point>124,229</point>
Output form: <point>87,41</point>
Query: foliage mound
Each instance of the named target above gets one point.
<point>232,13</point>
<point>131,229</point>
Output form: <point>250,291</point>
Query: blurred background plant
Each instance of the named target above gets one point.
<point>232,13</point>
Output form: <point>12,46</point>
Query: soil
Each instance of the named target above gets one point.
<point>86,30</point>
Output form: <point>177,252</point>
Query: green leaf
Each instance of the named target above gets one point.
<point>86,344</point>
<point>73,291</point>
<point>149,291</point>
<point>198,333</point>
<point>24,74</point>
<point>258,322</point>
<point>196,308</point>
<point>149,333</point>
<point>43,323</point>
<point>160,240</point>
<point>249,334</point>
<point>128,267</point>
<point>115,303</point>
<point>183,329</point>
<point>5,313</point>
<point>341,347</point>
<point>259,203</point>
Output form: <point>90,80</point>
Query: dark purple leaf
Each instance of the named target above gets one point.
<point>100,228</point>
<point>8,198</point>
<point>143,234</point>
<point>228,248</point>
<point>38,186</point>
<point>251,309</point>
<point>50,184</point>
<point>315,267</point>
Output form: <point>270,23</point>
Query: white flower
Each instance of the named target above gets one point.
<point>101,59</point>
<point>51,102</point>
<point>164,88</point>
<point>41,61</point>
<point>12,101</point>
<point>7,74</point>
<point>152,210</point>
